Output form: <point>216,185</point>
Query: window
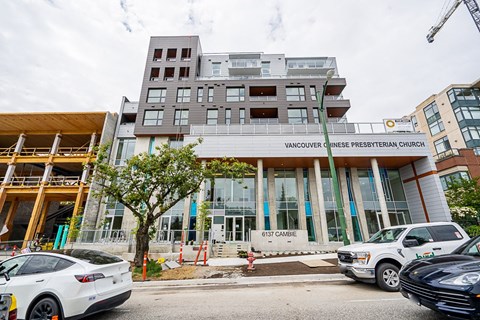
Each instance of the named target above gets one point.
<point>296,116</point>
<point>125,150</point>
<point>446,180</point>
<point>184,73</point>
<point>181,118</point>
<point>471,133</point>
<point>433,119</point>
<point>210,94</point>
<point>442,145</point>
<point>39,264</point>
<point>199,94</point>
<point>186,54</point>
<point>156,95</point>
<point>171,54</point>
<point>155,74</point>
<point>153,118</point>
<point>216,68</point>
<point>446,233</point>
<point>242,116</point>
<point>295,94</point>
<point>313,93</point>
<point>464,94</point>
<point>212,116</point>
<point>169,74</point>
<point>265,68</point>
<point>183,95</point>
<point>235,94</point>
<point>420,234</point>
<point>157,55</point>
<point>316,115</point>
<point>414,121</point>
<point>175,143</point>
<point>7,265</point>
<point>468,113</point>
<point>228,116</point>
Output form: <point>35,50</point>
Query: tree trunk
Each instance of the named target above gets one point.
<point>142,245</point>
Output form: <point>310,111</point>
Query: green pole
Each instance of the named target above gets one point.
<point>336,189</point>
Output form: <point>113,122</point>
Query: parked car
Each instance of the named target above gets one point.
<point>379,259</point>
<point>65,283</point>
<point>8,307</point>
<point>449,284</point>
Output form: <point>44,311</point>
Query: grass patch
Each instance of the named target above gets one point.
<point>154,269</point>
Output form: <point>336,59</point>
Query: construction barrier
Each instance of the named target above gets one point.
<point>144,273</point>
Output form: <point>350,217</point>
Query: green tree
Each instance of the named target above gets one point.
<point>463,198</point>
<point>203,221</point>
<point>150,184</point>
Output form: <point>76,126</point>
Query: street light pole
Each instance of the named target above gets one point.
<point>336,189</point>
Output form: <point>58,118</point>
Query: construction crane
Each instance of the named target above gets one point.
<point>472,6</point>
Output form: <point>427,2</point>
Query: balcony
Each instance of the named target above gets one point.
<point>317,66</point>
<point>126,130</point>
<point>288,129</point>
<point>130,108</point>
<point>34,181</point>
<point>446,154</point>
<point>243,67</point>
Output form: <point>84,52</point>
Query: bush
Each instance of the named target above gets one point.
<point>242,254</point>
<point>473,230</point>
<point>154,269</point>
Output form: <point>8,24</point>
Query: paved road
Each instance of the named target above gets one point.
<point>329,300</point>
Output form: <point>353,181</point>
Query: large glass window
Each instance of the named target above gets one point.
<point>469,113</point>
<point>212,116</point>
<point>235,94</point>
<point>414,122</point>
<point>125,151</point>
<point>183,95</point>
<point>446,180</point>
<point>157,95</point>
<point>295,94</point>
<point>200,95</point>
<point>265,68</point>
<point>316,115</point>
<point>463,94</point>
<point>471,133</point>
<point>313,93</point>
<point>216,68</point>
<point>442,145</point>
<point>181,118</point>
<point>286,199</point>
<point>153,118</point>
<point>433,118</point>
<point>242,116</point>
<point>333,225</point>
<point>296,116</point>
<point>228,116</point>
<point>210,94</point>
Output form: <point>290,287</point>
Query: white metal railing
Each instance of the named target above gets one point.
<point>45,152</point>
<point>272,76</point>
<point>54,181</point>
<point>103,236</point>
<point>311,63</point>
<point>264,121</point>
<point>339,97</point>
<point>244,63</point>
<point>272,129</point>
<point>121,236</point>
<point>446,154</point>
<point>262,98</point>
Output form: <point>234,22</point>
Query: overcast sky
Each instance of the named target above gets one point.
<point>84,55</point>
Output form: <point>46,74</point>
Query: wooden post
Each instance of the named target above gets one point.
<point>36,212</point>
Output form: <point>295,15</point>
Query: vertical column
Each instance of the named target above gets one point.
<point>86,169</point>
<point>357,192</point>
<point>320,221</point>
<point>260,196</point>
<point>49,164</point>
<point>342,176</point>
<point>9,219</point>
<point>381,195</point>
<point>36,213</point>
<point>302,212</point>
<point>271,198</point>
<point>186,212</point>
<point>43,218</point>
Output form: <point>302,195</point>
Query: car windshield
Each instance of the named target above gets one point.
<point>470,248</point>
<point>386,235</point>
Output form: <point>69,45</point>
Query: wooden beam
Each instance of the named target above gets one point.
<point>35,217</point>
<point>43,217</point>
<point>9,219</point>
<point>76,209</point>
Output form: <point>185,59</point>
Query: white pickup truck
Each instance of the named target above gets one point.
<point>380,259</point>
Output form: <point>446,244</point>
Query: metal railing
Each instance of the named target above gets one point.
<point>54,181</point>
<point>282,129</point>
<point>264,121</point>
<point>45,152</point>
<point>271,76</point>
<point>244,63</point>
<point>262,98</point>
<point>104,236</point>
<point>446,154</point>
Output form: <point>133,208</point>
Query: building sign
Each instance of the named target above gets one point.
<point>357,144</point>
<point>277,240</point>
<point>398,125</point>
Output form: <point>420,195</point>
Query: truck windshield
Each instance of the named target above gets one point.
<point>386,235</point>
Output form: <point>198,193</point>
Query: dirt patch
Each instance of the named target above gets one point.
<point>187,272</point>
<point>289,268</point>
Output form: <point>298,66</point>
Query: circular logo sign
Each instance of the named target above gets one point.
<point>390,123</point>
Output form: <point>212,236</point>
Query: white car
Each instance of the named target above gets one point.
<point>65,283</point>
<point>380,259</point>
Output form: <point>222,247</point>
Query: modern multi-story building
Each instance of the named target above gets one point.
<point>262,109</point>
<point>45,161</point>
<point>451,122</point>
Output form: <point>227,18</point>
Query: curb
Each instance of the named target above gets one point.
<point>243,281</point>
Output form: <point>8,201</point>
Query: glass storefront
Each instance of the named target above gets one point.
<point>286,199</point>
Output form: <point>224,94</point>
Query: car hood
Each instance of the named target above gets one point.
<point>432,270</point>
<point>361,247</point>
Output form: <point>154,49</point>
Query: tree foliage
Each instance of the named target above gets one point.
<point>463,198</point>
<point>150,184</point>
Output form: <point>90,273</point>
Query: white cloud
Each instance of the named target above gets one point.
<point>60,55</point>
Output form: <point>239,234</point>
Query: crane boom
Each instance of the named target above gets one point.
<point>436,28</point>
<point>473,8</point>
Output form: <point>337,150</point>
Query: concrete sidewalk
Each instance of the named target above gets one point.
<point>230,262</point>
<point>242,281</point>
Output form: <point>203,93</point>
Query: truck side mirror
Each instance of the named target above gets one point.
<point>407,243</point>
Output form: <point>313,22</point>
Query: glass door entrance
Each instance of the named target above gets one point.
<point>234,228</point>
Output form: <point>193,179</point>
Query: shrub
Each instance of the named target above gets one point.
<point>242,254</point>
<point>154,269</point>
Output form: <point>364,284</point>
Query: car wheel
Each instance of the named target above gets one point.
<point>387,277</point>
<point>45,309</point>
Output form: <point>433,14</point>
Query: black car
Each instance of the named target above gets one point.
<point>449,283</point>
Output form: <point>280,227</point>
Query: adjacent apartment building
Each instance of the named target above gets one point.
<point>262,109</point>
<point>451,122</point>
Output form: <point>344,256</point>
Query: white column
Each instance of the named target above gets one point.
<point>381,195</point>
<point>53,151</point>
<point>93,141</point>
<point>302,212</point>
<point>11,166</point>
<point>56,144</point>
<point>260,196</point>
<point>321,222</point>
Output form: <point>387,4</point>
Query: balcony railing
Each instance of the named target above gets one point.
<point>251,77</point>
<point>286,129</point>
<point>54,181</point>
<point>262,98</point>
<point>446,154</point>
<point>45,152</point>
<point>244,63</point>
<point>264,121</point>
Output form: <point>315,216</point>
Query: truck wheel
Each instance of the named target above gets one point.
<point>387,277</point>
